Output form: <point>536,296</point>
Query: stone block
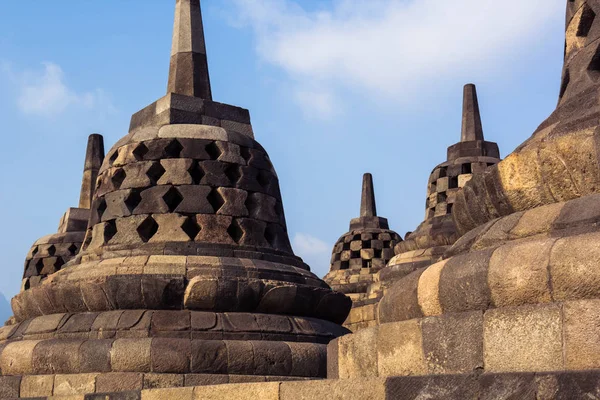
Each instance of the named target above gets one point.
<point>428,289</point>
<point>400,302</point>
<point>206,379</point>
<point>160,381</point>
<point>358,354</point>
<point>333,370</point>
<point>79,384</point>
<point>344,389</point>
<point>272,358</point>
<point>452,387</point>
<point>119,382</point>
<point>538,220</point>
<point>9,387</point>
<point>95,356</point>
<point>171,355</point>
<point>37,386</point>
<point>57,356</point>
<point>453,343</point>
<point>308,359</point>
<point>263,391</point>
<point>186,393</point>
<point>518,273</point>
<point>508,386</point>
<point>523,339</point>
<point>45,324</point>
<point>400,349</point>
<point>208,356</point>
<point>17,358</point>
<point>240,357</point>
<point>573,267</point>
<point>463,282</point>
<point>131,355</point>
<point>581,335</point>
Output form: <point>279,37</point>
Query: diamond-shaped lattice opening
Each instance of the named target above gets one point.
<point>114,157</point>
<point>39,266</point>
<point>453,182</point>
<point>565,83</point>
<point>110,230</point>
<point>27,284</point>
<point>216,200</point>
<point>101,208</point>
<point>118,178</point>
<point>213,150</point>
<point>466,168</point>
<point>155,172</point>
<point>263,178</point>
<point>449,209</point>
<point>140,151</point>
<point>346,246</point>
<point>72,249</point>
<point>147,229</point>
<point>191,227</point>
<point>173,149</point>
<point>235,231</point>
<point>366,263</point>
<point>233,173</point>
<point>196,172</point>
<point>378,253</point>
<point>172,198</point>
<point>587,19</point>
<point>35,251</point>
<point>366,244</point>
<point>441,197</point>
<point>52,250</point>
<point>245,153</point>
<point>387,244</point>
<point>59,263</point>
<point>251,203</point>
<point>594,66</point>
<point>443,171</point>
<point>133,199</point>
<point>345,265</point>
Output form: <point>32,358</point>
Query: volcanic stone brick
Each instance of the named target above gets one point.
<point>131,355</point>
<point>401,301</point>
<point>400,349</point>
<point>527,338</point>
<point>208,356</point>
<point>37,386</point>
<point>266,391</point>
<point>17,358</point>
<point>581,338</point>
<point>57,356</point>
<point>518,273</point>
<point>171,355</point>
<point>572,267</point>
<point>119,382</point>
<point>240,357</point>
<point>356,359</point>
<point>176,172</point>
<point>9,386</point>
<point>463,282</point>
<point>453,343</point>
<point>78,384</point>
<point>453,387</point>
<point>95,356</point>
<point>159,381</point>
<point>272,358</point>
<point>347,389</point>
<point>235,200</point>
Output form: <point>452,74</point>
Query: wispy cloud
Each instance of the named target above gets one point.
<point>44,92</point>
<point>314,251</point>
<point>389,48</point>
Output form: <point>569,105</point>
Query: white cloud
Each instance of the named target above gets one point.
<point>390,47</point>
<point>314,251</point>
<point>44,92</point>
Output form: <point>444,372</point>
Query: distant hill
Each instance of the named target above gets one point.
<point>5,310</point>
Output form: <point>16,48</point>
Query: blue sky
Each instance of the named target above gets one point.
<point>335,89</point>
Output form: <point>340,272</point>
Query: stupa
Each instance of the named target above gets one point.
<point>467,158</point>
<point>359,254</point>
<point>186,276</point>
<point>50,253</point>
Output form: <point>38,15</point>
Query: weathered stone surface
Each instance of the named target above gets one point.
<point>266,391</point>
<point>353,389</point>
<point>356,359</point>
<point>37,386</point>
<point>581,336</point>
<point>400,349</point>
<point>119,382</point>
<point>9,386</point>
<point>131,355</point>
<point>523,339</point>
<point>67,385</point>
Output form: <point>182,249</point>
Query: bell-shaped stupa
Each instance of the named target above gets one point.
<point>359,254</point>
<point>186,268</point>
<point>50,253</point>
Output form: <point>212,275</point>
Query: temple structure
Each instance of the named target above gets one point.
<point>467,158</point>
<point>186,278</point>
<point>357,257</point>
<point>50,253</point>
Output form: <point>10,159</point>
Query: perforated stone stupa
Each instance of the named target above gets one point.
<point>50,253</point>
<point>360,253</point>
<point>186,271</point>
<point>467,158</point>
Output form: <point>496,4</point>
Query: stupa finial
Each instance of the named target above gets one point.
<point>367,203</point>
<point>94,156</point>
<point>471,119</point>
<point>188,72</point>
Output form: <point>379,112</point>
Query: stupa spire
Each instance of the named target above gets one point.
<point>471,119</point>
<point>94,156</point>
<point>368,207</point>
<point>188,72</point>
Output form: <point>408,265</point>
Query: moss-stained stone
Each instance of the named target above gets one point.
<point>400,349</point>
<point>453,343</point>
<point>518,273</point>
<point>523,339</point>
